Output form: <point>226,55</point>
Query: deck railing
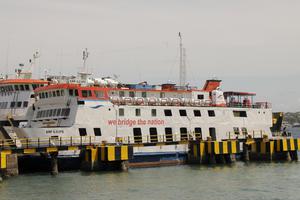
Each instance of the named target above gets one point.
<point>41,142</point>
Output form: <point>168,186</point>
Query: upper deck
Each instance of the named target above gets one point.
<point>166,94</point>
<point>12,85</point>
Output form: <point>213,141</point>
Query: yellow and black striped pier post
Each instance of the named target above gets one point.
<point>106,157</point>
<point>213,152</point>
<point>265,149</point>
<point>286,148</point>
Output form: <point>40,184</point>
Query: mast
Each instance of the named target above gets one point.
<point>182,66</point>
<point>85,55</point>
<point>84,74</point>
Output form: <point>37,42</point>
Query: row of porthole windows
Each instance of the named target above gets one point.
<point>168,112</point>
<point>82,131</point>
<point>137,134</point>
<point>3,105</point>
<point>60,112</point>
<point>17,104</point>
<point>13,88</point>
<point>54,93</point>
<point>10,88</point>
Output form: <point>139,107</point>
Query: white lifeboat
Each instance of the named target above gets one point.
<point>138,101</point>
<point>175,101</point>
<point>164,101</point>
<point>115,100</point>
<point>152,101</point>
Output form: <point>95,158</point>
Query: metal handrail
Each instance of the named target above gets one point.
<point>95,140</point>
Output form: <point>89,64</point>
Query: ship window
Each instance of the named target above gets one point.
<point>53,94</point>
<point>76,93</point>
<point>67,112</point>
<point>97,131</point>
<point>12,104</point>
<point>144,94</point>
<point>19,104</point>
<point>198,133</point>
<point>99,94</point>
<point>153,134</point>
<point>54,112</point>
<point>182,113</point>
<point>58,112</point>
<point>47,113</point>
<point>57,93</point>
<point>86,93</point>
<point>236,130</point>
<point>17,87</point>
<point>50,113</point>
<point>46,94</point>
<point>71,92</point>
<point>82,132</point>
<point>25,104</point>
<point>40,95</point>
<point>244,131</point>
<point>121,94</point>
<point>211,113</point>
<point>168,113</point>
<point>137,112</point>
<point>38,114</point>
<point>200,96</point>
<point>22,87</point>
<point>153,112</point>
<point>44,113</point>
<point>137,135</point>
<point>26,87</point>
<point>80,102</point>
<point>162,95</point>
<point>131,94</point>
<point>238,113</point>
<point>197,113</point>
<point>212,133</point>
<point>43,95</point>
<point>183,134</point>
<point>169,135</point>
<point>63,112</point>
<point>121,112</point>
<point>34,86</point>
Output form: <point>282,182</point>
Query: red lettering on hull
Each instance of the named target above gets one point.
<point>139,122</point>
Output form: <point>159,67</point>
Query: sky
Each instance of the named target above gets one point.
<point>252,45</point>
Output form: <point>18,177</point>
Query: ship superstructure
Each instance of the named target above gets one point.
<point>17,95</point>
<point>146,114</point>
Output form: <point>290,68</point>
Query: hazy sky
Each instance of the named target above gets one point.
<point>251,45</point>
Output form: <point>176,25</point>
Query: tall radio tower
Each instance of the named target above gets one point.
<point>182,65</point>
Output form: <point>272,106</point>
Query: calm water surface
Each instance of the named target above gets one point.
<point>235,182</point>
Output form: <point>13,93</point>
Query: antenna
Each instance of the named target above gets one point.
<point>182,66</point>
<point>33,62</point>
<point>85,55</point>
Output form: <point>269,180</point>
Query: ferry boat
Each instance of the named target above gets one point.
<point>157,119</point>
<point>17,95</point>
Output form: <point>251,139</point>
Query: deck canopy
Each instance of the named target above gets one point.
<point>239,99</point>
